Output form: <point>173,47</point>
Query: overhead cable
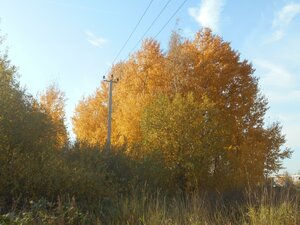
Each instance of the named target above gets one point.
<point>132,32</point>
<point>164,26</point>
<point>151,25</point>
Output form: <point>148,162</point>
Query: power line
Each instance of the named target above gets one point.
<point>164,26</point>
<point>159,14</point>
<point>132,32</point>
<point>134,29</point>
<point>151,25</point>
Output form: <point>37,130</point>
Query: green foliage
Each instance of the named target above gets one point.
<point>44,212</point>
<point>178,129</point>
<point>26,138</point>
<point>30,165</point>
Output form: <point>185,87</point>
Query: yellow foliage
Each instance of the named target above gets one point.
<point>232,141</point>
<point>90,119</point>
<point>52,102</point>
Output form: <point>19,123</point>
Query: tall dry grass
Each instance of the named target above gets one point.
<point>259,207</point>
<point>256,207</point>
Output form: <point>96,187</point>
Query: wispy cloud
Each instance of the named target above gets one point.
<point>278,83</point>
<point>291,128</point>
<point>274,75</point>
<point>94,40</point>
<point>282,20</point>
<point>208,13</point>
<point>286,96</point>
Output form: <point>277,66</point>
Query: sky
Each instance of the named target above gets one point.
<point>73,43</point>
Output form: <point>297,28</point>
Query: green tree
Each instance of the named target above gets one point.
<point>181,129</point>
<point>26,139</point>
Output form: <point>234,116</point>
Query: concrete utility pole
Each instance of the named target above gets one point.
<point>110,81</point>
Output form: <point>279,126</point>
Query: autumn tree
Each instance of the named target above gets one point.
<point>141,79</point>
<point>236,142</point>
<point>26,139</point>
<point>131,94</point>
<point>187,135</point>
<point>52,102</point>
<point>30,167</point>
<point>90,119</point>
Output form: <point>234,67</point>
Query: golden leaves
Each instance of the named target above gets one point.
<point>196,103</point>
<point>52,102</point>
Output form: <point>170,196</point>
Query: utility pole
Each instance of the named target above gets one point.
<point>110,81</point>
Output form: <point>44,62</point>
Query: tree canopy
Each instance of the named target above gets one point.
<point>197,103</point>
<point>52,102</point>
<point>26,137</point>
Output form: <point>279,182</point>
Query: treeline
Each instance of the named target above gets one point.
<point>186,120</point>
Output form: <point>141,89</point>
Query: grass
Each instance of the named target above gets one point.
<point>267,207</point>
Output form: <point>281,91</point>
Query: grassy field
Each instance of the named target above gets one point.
<point>259,207</point>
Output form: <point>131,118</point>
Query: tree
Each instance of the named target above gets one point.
<point>52,102</point>
<point>237,143</point>
<point>26,139</point>
<point>90,119</point>
<point>187,135</point>
<point>141,78</point>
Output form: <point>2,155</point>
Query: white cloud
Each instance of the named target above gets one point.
<point>291,124</point>
<point>208,13</point>
<point>286,96</point>
<point>279,85</point>
<point>274,75</point>
<point>286,15</point>
<point>291,129</point>
<point>282,20</point>
<point>94,40</point>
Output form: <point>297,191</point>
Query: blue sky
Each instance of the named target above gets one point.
<point>73,43</point>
